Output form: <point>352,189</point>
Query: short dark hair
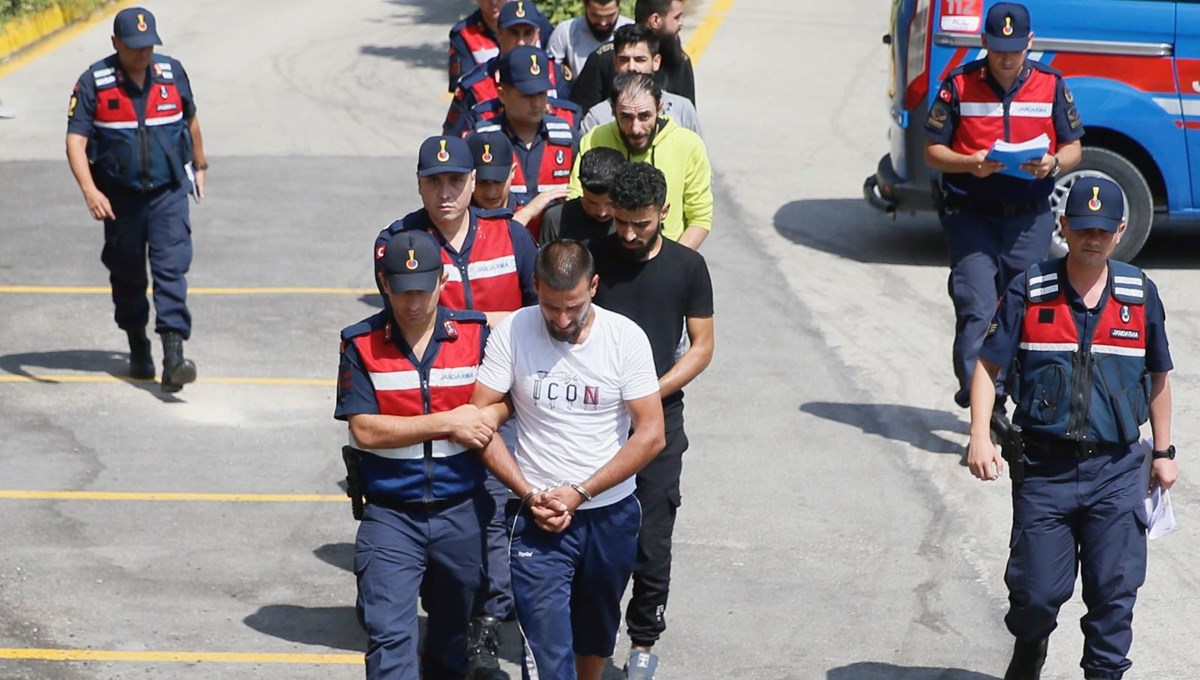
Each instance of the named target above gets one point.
<point>644,8</point>
<point>598,2</point>
<point>632,34</point>
<point>597,167</point>
<point>633,84</point>
<point>637,185</point>
<point>562,264</point>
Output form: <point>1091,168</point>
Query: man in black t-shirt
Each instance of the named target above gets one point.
<point>664,287</point>
<point>665,19</point>
<point>590,215</point>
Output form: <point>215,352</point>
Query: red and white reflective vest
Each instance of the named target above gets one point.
<point>487,279</point>
<point>984,117</point>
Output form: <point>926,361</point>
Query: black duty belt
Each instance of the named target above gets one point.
<point>1064,448</point>
<point>989,209</point>
<point>421,506</point>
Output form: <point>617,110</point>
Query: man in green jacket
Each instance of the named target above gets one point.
<point>643,135</point>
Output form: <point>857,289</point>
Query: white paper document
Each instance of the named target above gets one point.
<point>1158,502</point>
<point>1013,155</point>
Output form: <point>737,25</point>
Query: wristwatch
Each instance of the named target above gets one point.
<point>1057,167</point>
<point>1169,454</point>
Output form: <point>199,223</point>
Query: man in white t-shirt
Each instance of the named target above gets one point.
<point>574,40</point>
<point>579,378</point>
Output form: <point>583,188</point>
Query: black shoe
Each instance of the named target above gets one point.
<point>483,645</point>
<point>141,362</point>
<point>1027,660</point>
<point>177,371</point>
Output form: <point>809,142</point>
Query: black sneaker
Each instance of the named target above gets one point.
<point>483,647</point>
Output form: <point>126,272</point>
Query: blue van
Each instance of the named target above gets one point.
<point>1132,65</point>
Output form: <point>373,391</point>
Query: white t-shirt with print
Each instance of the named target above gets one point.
<point>570,399</point>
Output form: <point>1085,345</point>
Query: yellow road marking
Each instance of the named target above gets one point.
<point>105,290</point>
<point>707,28</point>
<point>302,382</point>
<point>57,40</point>
<point>33,495</point>
<point>179,657</point>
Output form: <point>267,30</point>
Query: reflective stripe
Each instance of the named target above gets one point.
<point>1038,292</point>
<point>166,120</point>
<point>442,448</point>
<point>396,380</point>
<point>104,72</point>
<point>1039,280</point>
<point>1049,346</point>
<point>485,53</point>
<point>1128,280</point>
<point>1129,292</point>
<point>981,109</point>
<point>119,125</point>
<point>109,80</point>
<point>518,188</point>
<point>1121,351</point>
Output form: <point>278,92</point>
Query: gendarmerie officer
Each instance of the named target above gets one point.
<point>131,130</point>
<point>1085,344</point>
<point>996,224</point>
<point>405,379</point>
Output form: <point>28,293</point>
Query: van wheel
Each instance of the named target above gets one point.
<point>1139,203</point>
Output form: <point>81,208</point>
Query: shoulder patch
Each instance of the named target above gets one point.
<point>1128,283</point>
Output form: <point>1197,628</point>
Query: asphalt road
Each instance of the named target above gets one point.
<point>828,529</point>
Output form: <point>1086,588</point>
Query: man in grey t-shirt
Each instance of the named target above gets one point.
<point>574,40</point>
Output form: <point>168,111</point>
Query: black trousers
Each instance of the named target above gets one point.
<point>658,492</point>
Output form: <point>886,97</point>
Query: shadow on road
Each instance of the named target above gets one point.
<point>849,228</point>
<point>909,424</point>
<point>335,627</point>
<point>419,56</point>
<point>115,364</point>
<point>1171,247</point>
<point>340,555</point>
<point>429,55</point>
<point>872,670</point>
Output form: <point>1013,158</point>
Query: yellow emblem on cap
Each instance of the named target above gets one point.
<point>442,155</point>
<point>534,69</point>
<point>1095,204</point>
<point>1008,29</point>
<point>520,9</point>
<point>142,23</point>
<point>412,260</point>
<point>487,153</point>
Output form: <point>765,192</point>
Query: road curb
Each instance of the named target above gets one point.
<point>22,32</point>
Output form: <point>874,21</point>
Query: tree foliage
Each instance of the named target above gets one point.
<point>561,10</point>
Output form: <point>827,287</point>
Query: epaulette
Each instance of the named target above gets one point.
<point>494,213</point>
<point>1041,280</point>
<point>466,316</point>
<point>363,327</point>
<point>1128,283</point>
<point>1043,67</point>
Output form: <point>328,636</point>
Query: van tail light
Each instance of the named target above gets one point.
<point>917,66</point>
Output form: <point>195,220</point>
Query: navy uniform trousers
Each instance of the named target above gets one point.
<point>157,222</point>
<point>1087,514</point>
<point>985,254</point>
<point>436,555</point>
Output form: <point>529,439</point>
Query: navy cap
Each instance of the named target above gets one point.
<point>527,68</point>
<point>411,260</point>
<point>1007,27</point>
<point>443,154</point>
<point>136,28</point>
<point>519,12</point>
<point>493,155</point>
<point>1095,203</point>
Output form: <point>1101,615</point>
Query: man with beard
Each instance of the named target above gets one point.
<point>579,377</point>
<point>574,40</point>
<point>666,290</point>
<point>594,83</point>
<point>473,40</point>
<point>635,49</point>
<point>643,135</point>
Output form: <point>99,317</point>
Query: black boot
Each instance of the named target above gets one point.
<point>141,362</point>
<point>1027,660</point>
<point>177,371</point>
<point>483,644</point>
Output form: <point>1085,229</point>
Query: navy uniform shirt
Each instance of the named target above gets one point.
<point>529,157</point>
<point>81,112</point>
<point>997,189</point>
<point>1004,335</point>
